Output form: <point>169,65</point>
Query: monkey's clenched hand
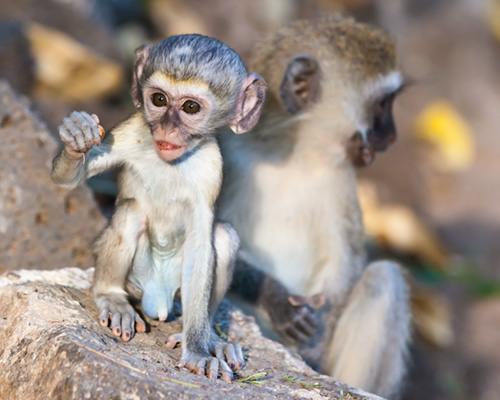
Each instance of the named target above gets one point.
<point>79,132</point>
<point>293,317</point>
<point>124,319</point>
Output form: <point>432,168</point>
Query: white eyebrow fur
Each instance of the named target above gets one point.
<point>384,84</point>
<point>372,90</point>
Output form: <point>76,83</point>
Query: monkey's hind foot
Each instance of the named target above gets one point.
<point>173,341</point>
<point>230,353</point>
<point>124,319</point>
<point>206,365</point>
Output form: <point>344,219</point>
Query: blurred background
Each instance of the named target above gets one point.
<point>431,201</point>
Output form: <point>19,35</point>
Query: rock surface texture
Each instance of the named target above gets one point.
<point>42,225</point>
<point>52,347</point>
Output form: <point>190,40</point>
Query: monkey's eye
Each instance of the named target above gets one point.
<point>191,107</point>
<point>159,99</point>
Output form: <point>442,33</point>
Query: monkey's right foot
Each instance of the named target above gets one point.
<point>206,365</point>
<point>124,319</point>
<point>173,341</point>
<point>230,353</point>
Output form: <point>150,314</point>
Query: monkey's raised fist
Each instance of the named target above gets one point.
<point>79,132</point>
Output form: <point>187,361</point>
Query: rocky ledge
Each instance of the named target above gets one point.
<point>52,347</point>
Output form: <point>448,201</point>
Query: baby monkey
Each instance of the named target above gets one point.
<point>162,236</point>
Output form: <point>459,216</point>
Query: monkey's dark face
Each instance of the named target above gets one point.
<point>180,115</point>
<point>376,131</point>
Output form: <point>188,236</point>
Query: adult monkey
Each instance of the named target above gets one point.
<point>290,192</point>
<point>162,236</point>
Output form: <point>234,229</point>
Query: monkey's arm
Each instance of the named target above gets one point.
<point>79,159</point>
<point>291,316</point>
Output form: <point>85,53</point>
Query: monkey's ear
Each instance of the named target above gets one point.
<point>141,55</point>
<point>249,104</point>
<point>301,84</point>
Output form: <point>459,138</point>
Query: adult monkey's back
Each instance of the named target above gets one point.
<point>290,192</point>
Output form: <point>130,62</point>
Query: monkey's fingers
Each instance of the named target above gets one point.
<point>127,327</point>
<point>116,319</point>
<point>310,320</point>
<point>101,130</point>
<point>71,135</point>
<point>140,325</point>
<point>104,317</point>
<point>318,300</point>
<point>86,126</point>
<point>173,340</point>
<point>89,128</point>
<point>305,327</point>
<point>298,301</point>
<point>295,335</point>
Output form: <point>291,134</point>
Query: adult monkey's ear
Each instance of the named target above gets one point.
<point>141,55</point>
<point>249,103</point>
<point>300,87</point>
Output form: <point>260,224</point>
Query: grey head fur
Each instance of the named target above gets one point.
<point>187,57</point>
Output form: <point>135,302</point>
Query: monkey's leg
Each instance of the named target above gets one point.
<point>229,355</point>
<point>370,341</point>
<point>226,244</point>
<point>291,316</point>
<point>115,250</point>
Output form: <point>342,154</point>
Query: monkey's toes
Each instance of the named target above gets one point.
<point>206,365</point>
<point>230,353</point>
<point>174,341</point>
<point>140,325</point>
<point>104,317</point>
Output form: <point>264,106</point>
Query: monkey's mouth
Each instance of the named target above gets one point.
<point>169,151</point>
<point>163,145</point>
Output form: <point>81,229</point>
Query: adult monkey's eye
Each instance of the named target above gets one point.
<point>191,107</point>
<point>159,99</point>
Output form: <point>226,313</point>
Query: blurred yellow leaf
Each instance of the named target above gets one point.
<point>69,70</point>
<point>493,18</point>
<point>448,134</point>
<point>398,228</point>
<point>432,316</point>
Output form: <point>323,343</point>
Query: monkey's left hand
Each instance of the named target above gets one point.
<point>229,356</point>
<point>124,319</point>
<point>293,317</point>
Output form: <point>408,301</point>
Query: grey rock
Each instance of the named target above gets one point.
<point>42,225</point>
<point>52,347</point>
